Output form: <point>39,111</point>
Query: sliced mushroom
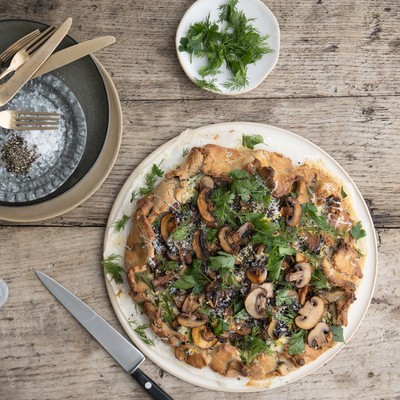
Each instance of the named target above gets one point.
<point>301,275</point>
<point>192,320</point>
<point>206,182</point>
<point>203,337</point>
<point>267,175</point>
<point>312,242</point>
<point>256,303</point>
<point>226,360</point>
<point>191,304</point>
<point>243,234</point>
<point>271,328</point>
<point>168,225</point>
<point>225,240</point>
<point>256,274</point>
<point>199,245</point>
<point>204,206</point>
<point>317,336</point>
<point>292,212</point>
<point>195,357</point>
<point>311,313</point>
<point>303,294</point>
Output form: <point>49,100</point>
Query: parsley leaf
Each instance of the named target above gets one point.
<point>250,141</point>
<point>185,282</point>
<point>274,265</point>
<point>337,333</point>
<point>282,297</point>
<point>252,346</point>
<point>357,231</point>
<point>318,280</point>
<point>296,342</point>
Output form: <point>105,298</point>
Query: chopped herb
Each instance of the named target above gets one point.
<point>181,232</point>
<point>134,195</point>
<point>185,282</point>
<point>337,333</point>
<point>185,151</point>
<point>242,314</point>
<point>253,345</point>
<point>357,231</point>
<point>168,265</point>
<point>343,193</point>
<point>222,201</point>
<point>310,210</point>
<point>220,326</point>
<point>119,224</point>
<point>141,332</point>
<point>282,297</point>
<point>274,265</point>
<point>145,277</point>
<point>166,305</point>
<point>112,267</point>
<point>318,280</point>
<point>223,263</point>
<point>250,141</point>
<point>211,235</point>
<point>296,342</point>
<point>233,42</point>
<point>151,179</point>
<point>207,84</point>
<point>286,316</point>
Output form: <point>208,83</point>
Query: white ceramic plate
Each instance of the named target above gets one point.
<point>264,21</point>
<point>230,135</point>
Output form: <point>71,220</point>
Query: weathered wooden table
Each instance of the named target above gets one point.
<point>336,83</point>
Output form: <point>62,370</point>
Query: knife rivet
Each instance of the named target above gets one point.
<point>3,292</point>
<point>148,385</point>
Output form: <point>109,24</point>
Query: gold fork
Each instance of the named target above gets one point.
<point>23,55</point>
<point>29,120</point>
<point>10,51</point>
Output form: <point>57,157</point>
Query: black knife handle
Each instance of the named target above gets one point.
<point>150,386</point>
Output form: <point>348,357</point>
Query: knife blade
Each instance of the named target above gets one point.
<point>10,88</point>
<point>127,355</point>
<point>73,53</point>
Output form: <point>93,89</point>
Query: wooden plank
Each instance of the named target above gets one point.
<point>44,353</point>
<point>360,133</point>
<point>328,48</point>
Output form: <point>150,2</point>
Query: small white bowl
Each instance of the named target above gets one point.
<point>264,21</point>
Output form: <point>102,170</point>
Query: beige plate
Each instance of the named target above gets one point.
<point>91,181</point>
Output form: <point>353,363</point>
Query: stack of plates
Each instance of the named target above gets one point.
<point>84,150</point>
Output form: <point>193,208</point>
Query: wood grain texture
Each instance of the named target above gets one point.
<point>45,353</point>
<point>336,83</point>
<point>328,48</point>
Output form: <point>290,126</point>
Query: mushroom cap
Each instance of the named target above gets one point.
<point>206,182</point>
<point>311,313</point>
<point>317,336</point>
<point>202,337</point>
<point>168,225</point>
<point>256,274</point>
<point>256,303</point>
<point>301,275</point>
<point>292,212</point>
<point>199,245</point>
<point>192,320</point>
<point>225,240</point>
<point>203,205</point>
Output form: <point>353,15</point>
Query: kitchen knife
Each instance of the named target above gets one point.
<point>73,53</point>
<point>127,355</point>
<point>10,88</point>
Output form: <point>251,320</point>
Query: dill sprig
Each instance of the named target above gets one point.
<point>120,223</point>
<point>112,267</point>
<point>141,332</point>
<point>166,306</point>
<point>151,179</point>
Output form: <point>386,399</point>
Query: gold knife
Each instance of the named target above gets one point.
<point>10,88</point>
<point>73,53</point>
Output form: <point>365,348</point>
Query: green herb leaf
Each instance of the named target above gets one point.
<point>112,267</point>
<point>224,263</point>
<point>134,195</point>
<point>343,193</point>
<point>282,297</point>
<point>296,342</point>
<point>151,179</point>
<point>318,280</point>
<point>274,265</point>
<point>357,231</point>
<point>141,332</point>
<point>337,333</point>
<point>252,346</point>
<point>145,277</point>
<point>181,232</point>
<point>166,306</point>
<point>185,282</point>
<point>207,84</point>
<point>221,326</point>
<point>185,151</point>
<point>119,224</point>
<point>250,141</point>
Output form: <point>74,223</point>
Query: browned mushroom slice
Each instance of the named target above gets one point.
<point>271,329</point>
<point>193,356</point>
<point>191,304</point>
<point>206,182</point>
<point>317,336</point>
<point>199,245</point>
<point>243,234</point>
<point>225,240</point>
<point>346,259</point>
<point>311,313</point>
<point>256,303</point>
<point>312,242</point>
<point>226,360</point>
<point>292,212</point>
<point>336,278</point>
<point>303,294</point>
<point>168,225</point>
<point>204,204</point>
<point>256,274</point>
<point>267,175</point>
<point>301,275</point>
<point>192,320</point>
<point>203,337</point>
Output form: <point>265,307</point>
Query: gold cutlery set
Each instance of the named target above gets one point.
<point>30,57</point>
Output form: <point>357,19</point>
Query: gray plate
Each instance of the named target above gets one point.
<point>84,79</point>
